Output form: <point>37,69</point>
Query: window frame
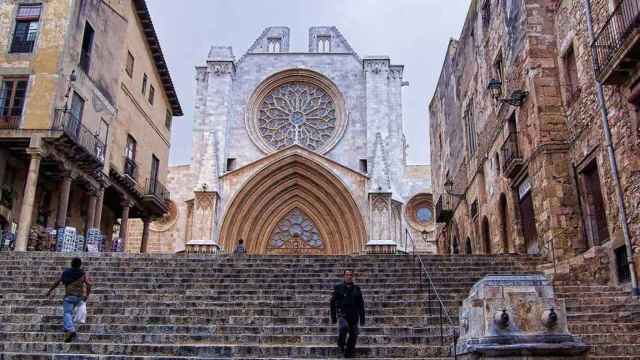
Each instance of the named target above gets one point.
<point>86,47</point>
<point>145,80</point>
<point>130,148</point>
<point>152,94</point>
<point>168,121</point>
<point>13,49</point>
<point>571,74</point>
<point>12,95</point>
<point>130,64</point>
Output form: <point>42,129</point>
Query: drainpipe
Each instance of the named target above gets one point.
<point>635,291</point>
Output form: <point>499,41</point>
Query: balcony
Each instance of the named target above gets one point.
<point>155,197</point>
<point>77,142</point>
<point>9,122</point>
<point>444,208</point>
<point>617,45</point>
<point>512,161</point>
<point>130,169</point>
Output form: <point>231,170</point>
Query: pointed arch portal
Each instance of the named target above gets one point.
<point>294,206</point>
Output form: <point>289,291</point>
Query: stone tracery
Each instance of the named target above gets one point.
<point>297,113</point>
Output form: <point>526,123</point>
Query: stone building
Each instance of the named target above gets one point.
<point>297,153</point>
<point>528,172</point>
<point>86,103</point>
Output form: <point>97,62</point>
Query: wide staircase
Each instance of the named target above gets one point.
<point>605,317</point>
<point>186,307</point>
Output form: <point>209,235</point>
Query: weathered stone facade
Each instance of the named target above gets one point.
<point>317,134</point>
<point>545,160</point>
<point>70,80</point>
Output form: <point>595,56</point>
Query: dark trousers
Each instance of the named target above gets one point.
<point>347,327</point>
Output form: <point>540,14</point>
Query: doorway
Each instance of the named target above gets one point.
<point>527,217</point>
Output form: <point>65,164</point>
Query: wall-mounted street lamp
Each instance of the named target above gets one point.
<point>448,188</point>
<point>517,96</point>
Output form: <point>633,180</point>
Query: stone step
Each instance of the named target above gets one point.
<point>232,320</point>
<point>207,338</point>
<point>36,356</point>
<point>329,329</point>
<point>222,350</point>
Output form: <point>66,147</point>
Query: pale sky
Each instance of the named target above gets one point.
<point>414,33</point>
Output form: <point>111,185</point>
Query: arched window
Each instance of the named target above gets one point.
<point>486,235</point>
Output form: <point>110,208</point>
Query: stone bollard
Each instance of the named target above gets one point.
<point>516,317</point>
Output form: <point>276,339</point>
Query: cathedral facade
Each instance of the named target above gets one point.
<point>298,153</point>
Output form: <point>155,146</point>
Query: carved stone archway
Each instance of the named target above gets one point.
<point>289,184</point>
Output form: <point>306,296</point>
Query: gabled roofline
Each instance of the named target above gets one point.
<point>158,57</point>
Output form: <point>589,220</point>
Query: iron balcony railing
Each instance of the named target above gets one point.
<point>510,152</point>
<point>9,122</point>
<point>156,189</point>
<point>22,46</point>
<point>444,208</point>
<point>130,168</point>
<point>448,328</point>
<point>610,41</point>
<point>73,128</point>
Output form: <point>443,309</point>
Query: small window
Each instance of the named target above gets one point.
<point>497,160</point>
<point>364,166</point>
<point>498,71</point>
<point>12,95</point>
<point>152,94</point>
<point>87,46</point>
<point>27,28</point>
<point>474,209</point>
<point>168,119</point>
<point>324,44</point>
<point>145,80</point>
<point>274,45</point>
<point>231,164</point>
<point>571,75</point>
<point>470,127</point>
<point>130,63</point>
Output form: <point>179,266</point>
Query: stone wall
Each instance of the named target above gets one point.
<point>559,131</point>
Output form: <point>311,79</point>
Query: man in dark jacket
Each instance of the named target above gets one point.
<point>347,309</point>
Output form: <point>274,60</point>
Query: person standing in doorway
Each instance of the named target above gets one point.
<point>240,249</point>
<point>77,287</point>
<point>347,310</point>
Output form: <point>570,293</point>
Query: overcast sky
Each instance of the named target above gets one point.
<point>414,33</point>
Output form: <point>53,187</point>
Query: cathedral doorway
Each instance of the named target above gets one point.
<point>294,206</point>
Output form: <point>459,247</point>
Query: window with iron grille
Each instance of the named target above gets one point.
<point>87,46</point>
<point>130,63</point>
<point>27,28</point>
<point>12,95</point>
<point>498,70</point>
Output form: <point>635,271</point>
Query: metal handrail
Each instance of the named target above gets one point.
<point>431,288</point>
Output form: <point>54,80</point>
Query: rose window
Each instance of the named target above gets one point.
<point>296,225</point>
<point>297,113</point>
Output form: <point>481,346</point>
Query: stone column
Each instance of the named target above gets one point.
<point>26,211</point>
<point>124,220</point>
<point>63,202</point>
<point>97,218</point>
<point>91,212</point>
<point>145,235</point>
